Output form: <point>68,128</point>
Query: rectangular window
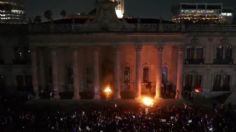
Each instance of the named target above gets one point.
<point>198,81</point>
<point>20,82</point>
<point>146,75</point>
<point>214,7</point>
<point>188,82</point>
<point>199,53</point>
<point>28,81</point>
<point>2,82</point>
<point>188,6</point>
<point>228,55</point>
<point>69,75</point>
<point>190,53</point>
<point>219,53</point>
<point>217,83</point>
<point>201,6</point>
<point>22,55</point>
<point>1,55</point>
<point>88,75</point>
<point>127,75</point>
<point>226,83</point>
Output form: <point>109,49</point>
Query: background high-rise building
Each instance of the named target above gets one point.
<point>201,13</point>
<point>11,11</point>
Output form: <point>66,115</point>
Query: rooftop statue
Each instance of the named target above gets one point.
<point>106,18</point>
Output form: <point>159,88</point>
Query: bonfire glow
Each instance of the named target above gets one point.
<point>148,101</point>
<point>107,91</point>
<point>197,90</point>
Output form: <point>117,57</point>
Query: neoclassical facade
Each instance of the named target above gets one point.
<point>131,62</point>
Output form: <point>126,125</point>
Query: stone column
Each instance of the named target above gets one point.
<point>158,71</point>
<point>42,69</point>
<point>179,83</point>
<point>96,74</point>
<point>55,75</point>
<point>35,72</point>
<point>117,71</point>
<point>139,70</point>
<point>76,74</point>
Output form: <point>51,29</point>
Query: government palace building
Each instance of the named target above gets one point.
<point>77,58</point>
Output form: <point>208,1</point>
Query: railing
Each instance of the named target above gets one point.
<point>81,28</point>
<point>210,28</point>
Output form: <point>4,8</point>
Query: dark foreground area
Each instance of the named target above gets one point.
<point>15,116</point>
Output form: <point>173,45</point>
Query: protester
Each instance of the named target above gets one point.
<point>13,117</point>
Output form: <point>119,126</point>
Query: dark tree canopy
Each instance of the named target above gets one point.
<point>48,14</point>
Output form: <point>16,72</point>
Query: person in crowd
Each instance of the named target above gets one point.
<point>13,117</point>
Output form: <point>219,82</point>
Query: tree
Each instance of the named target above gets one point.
<point>63,13</point>
<point>48,15</point>
<point>37,19</point>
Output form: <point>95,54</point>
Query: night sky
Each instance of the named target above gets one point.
<point>135,8</point>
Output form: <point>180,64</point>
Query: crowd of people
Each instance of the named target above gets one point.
<point>187,118</point>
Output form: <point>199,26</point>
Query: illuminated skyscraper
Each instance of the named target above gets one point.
<point>201,13</point>
<point>11,11</point>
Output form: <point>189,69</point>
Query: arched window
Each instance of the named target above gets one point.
<point>49,76</point>
<point>127,74</point>
<point>146,72</point>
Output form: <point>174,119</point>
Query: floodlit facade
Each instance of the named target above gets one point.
<point>11,12</point>
<point>201,13</point>
<point>134,57</point>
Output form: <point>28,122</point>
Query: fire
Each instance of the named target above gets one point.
<point>107,91</point>
<point>148,101</point>
<point>197,90</point>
